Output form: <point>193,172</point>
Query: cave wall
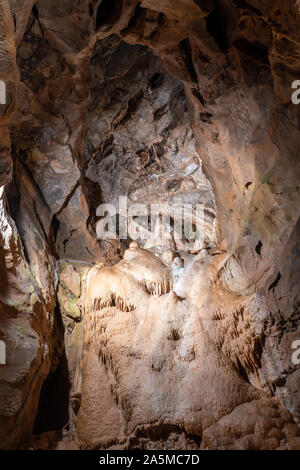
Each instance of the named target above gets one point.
<point>27,304</point>
<point>68,70</point>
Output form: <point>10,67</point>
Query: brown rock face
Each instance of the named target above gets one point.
<point>155,344</point>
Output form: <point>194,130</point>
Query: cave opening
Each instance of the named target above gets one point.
<point>122,156</point>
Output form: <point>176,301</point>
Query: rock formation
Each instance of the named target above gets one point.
<point>150,344</point>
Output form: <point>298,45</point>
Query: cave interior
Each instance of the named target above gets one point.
<point>183,340</point>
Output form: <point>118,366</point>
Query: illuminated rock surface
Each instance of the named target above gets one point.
<point>170,102</point>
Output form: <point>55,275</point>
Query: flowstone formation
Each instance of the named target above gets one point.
<point>150,360</point>
<point>118,345</point>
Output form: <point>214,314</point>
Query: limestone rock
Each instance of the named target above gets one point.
<point>167,102</point>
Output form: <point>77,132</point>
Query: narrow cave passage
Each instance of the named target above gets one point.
<point>149,225</point>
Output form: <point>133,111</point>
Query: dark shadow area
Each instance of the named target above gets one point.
<point>258,248</point>
<point>246,6</point>
<point>275,282</point>
<point>3,271</point>
<point>53,409</point>
<point>137,18</point>
<point>216,26</point>
<point>242,371</point>
<point>256,51</point>
<point>186,53</point>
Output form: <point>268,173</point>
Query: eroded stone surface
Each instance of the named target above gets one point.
<point>97,114</point>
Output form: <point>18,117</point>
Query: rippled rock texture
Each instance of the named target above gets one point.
<point>168,102</point>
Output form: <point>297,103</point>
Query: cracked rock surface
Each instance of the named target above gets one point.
<point>165,102</point>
